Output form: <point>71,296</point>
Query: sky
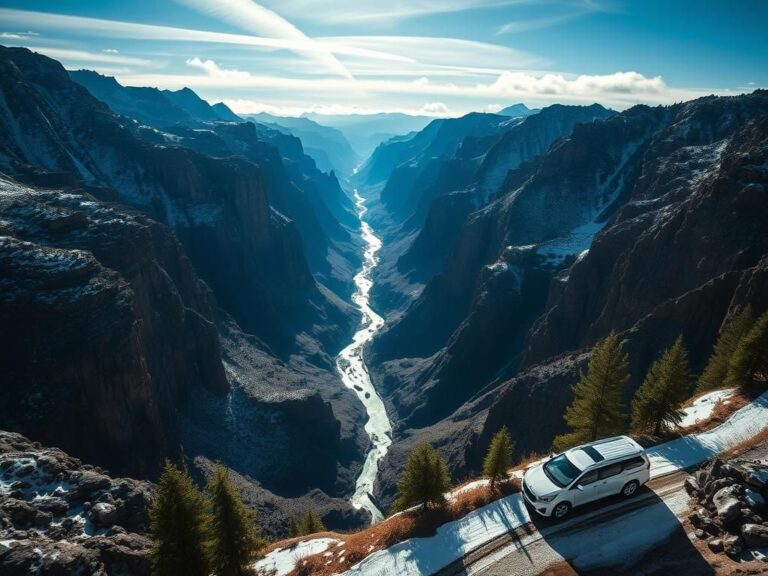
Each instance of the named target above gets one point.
<point>433,57</point>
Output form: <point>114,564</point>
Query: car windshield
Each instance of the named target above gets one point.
<point>561,471</point>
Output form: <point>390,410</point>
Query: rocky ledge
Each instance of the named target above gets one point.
<point>59,516</point>
<point>733,514</point>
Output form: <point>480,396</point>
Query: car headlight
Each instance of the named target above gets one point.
<point>548,498</point>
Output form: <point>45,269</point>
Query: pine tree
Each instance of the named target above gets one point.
<point>597,410</point>
<point>499,457</point>
<point>749,362</point>
<point>666,386</point>
<point>234,540</point>
<point>293,528</point>
<point>425,479</point>
<point>716,370</point>
<point>312,523</point>
<point>177,526</point>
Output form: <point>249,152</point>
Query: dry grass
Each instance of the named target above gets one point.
<point>395,529</point>
<point>422,523</point>
<point>720,413</point>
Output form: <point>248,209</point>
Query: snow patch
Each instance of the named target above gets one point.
<point>701,408</point>
<point>283,560</point>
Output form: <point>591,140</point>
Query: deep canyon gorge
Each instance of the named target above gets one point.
<point>303,307</point>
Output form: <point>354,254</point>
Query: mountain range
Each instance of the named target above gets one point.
<point>178,280</point>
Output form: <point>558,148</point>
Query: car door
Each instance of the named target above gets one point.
<point>586,488</point>
<point>610,480</point>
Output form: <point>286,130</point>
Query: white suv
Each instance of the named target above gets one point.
<point>586,473</point>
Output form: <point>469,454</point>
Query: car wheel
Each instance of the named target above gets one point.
<point>630,488</point>
<point>561,510</point>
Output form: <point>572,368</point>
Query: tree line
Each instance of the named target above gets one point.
<point>739,360</point>
<point>198,533</point>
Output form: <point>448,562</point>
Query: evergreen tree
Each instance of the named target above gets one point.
<point>177,527</point>
<point>293,528</point>
<point>749,362</point>
<point>312,523</point>
<point>597,410</point>
<point>666,386</point>
<point>716,370</point>
<point>425,479</point>
<point>234,540</point>
<point>499,457</point>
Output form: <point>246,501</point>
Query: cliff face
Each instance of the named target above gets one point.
<point>106,328</point>
<point>651,222</point>
<point>251,256</point>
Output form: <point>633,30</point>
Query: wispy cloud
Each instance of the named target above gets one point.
<point>17,35</point>
<point>253,17</point>
<point>383,12</point>
<point>537,23</point>
<point>84,57</point>
<point>104,28</point>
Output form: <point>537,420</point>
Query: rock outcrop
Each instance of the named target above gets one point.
<point>249,254</point>
<point>732,515</point>
<point>60,516</point>
<point>107,330</point>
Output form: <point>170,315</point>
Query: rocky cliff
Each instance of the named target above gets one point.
<point>249,254</point>
<point>60,516</point>
<point>651,222</point>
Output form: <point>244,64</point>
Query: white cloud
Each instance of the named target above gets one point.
<point>17,35</point>
<point>256,19</point>
<point>212,69</point>
<point>382,12</point>
<point>492,108</point>
<point>435,109</point>
<point>630,83</point>
<point>111,51</point>
<point>537,23</point>
<point>102,28</point>
<point>67,56</point>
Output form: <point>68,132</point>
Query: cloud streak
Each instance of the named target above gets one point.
<point>253,17</point>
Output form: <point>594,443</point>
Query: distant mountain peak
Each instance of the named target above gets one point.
<point>518,109</point>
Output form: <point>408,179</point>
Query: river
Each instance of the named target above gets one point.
<point>354,372</point>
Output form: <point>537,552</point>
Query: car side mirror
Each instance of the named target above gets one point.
<point>579,487</point>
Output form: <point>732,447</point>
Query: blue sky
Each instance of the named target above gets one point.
<point>440,57</point>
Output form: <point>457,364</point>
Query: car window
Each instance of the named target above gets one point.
<point>588,478</point>
<point>608,471</point>
<point>633,463</point>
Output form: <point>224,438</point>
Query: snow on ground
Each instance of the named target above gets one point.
<point>701,408</point>
<point>696,448</point>
<point>455,539</point>
<point>283,560</point>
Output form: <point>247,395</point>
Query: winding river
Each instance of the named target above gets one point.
<point>354,373</point>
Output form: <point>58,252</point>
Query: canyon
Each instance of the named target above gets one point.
<point>305,303</point>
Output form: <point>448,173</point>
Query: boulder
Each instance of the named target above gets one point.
<point>727,504</point>
<point>716,545</point>
<point>103,515</point>
<point>755,535</point>
<point>733,545</point>
<point>754,499</point>
<point>691,485</point>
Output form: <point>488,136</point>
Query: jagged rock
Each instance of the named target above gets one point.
<point>23,514</point>
<point>716,545</point>
<point>727,504</point>
<point>35,556</point>
<point>103,515</point>
<point>755,535</point>
<point>733,545</point>
<point>700,534</point>
<point>691,485</point>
